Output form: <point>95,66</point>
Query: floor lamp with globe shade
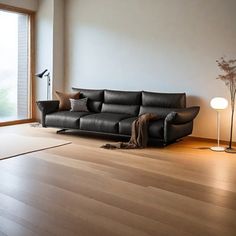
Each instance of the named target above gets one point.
<point>218,104</point>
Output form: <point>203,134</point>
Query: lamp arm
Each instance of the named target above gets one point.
<point>40,75</point>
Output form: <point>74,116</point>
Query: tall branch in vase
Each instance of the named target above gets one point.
<point>229,78</point>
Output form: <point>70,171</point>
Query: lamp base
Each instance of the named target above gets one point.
<point>230,150</point>
<point>218,149</point>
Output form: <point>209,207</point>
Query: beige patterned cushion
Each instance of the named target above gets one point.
<point>79,104</point>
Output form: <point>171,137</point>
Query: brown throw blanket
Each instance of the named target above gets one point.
<point>139,133</point>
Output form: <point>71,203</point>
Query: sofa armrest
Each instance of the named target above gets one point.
<point>47,107</point>
<point>179,123</point>
<point>182,116</point>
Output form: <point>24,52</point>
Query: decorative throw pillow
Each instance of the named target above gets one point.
<point>64,99</point>
<point>79,104</point>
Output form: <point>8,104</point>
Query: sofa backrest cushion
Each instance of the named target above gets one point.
<point>122,97</point>
<point>121,102</point>
<point>95,98</point>
<point>167,100</point>
<point>123,109</point>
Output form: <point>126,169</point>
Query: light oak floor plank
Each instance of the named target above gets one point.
<point>81,189</point>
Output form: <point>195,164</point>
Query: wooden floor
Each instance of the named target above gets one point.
<point>81,189</point>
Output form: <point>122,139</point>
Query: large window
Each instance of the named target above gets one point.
<point>15,82</point>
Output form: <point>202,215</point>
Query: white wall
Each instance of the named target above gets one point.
<point>26,4</point>
<point>58,47</point>
<point>44,45</point>
<point>158,45</point>
<point>50,46</point>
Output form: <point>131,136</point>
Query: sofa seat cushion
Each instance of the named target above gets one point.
<point>155,129</point>
<point>125,126</point>
<point>64,119</point>
<point>102,122</point>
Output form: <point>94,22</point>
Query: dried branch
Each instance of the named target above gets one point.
<point>229,76</point>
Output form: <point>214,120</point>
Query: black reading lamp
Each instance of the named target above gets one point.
<point>45,73</point>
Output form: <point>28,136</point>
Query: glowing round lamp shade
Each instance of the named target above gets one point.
<point>219,103</point>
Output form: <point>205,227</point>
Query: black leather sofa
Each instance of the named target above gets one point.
<point>112,113</point>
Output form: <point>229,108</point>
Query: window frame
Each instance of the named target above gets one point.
<point>31,64</point>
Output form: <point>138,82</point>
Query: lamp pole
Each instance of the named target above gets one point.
<point>218,148</point>
<point>48,84</point>
<point>218,128</point>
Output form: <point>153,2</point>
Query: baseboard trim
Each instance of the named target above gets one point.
<point>210,140</point>
<point>17,122</point>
